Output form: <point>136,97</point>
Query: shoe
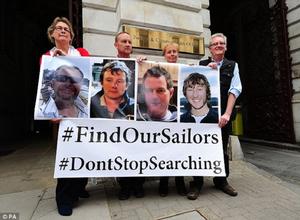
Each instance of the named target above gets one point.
<point>65,210</point>
<point>84,194</point>
<point>229,190</point>
<point>194,192</point>
<point>139,192</point>
<point>163,191</point>
<point>124,194</point>
<point>182,191</point>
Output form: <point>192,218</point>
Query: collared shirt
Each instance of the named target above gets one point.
<point>71,52</point>
<point>235,85</point>
<point>49,109</point>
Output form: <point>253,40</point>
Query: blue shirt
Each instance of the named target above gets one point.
<point>235,85</point>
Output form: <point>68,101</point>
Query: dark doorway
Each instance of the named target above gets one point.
<point>255,37</point>
<point>23,40</point>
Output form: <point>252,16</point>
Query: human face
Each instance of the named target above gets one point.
<point>157,96</point>
<point>114,84</point>
<point>171,54</point>
<point>61,33</point>
<point>217,48</point>
<point>196,95</point>
<point>124,45</point>
<point>67,83</point>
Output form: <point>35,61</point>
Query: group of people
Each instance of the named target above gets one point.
<point>113,102</point>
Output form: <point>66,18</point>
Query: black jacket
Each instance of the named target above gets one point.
<point>124,111</point>
<point>226,75</point>
<point>211,117</point>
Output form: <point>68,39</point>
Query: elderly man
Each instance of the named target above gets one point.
<point>231,88</point>
<point>112,101</point>
<point>65,101</point>
<point>158,91</point>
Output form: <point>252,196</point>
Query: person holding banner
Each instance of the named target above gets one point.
<point>196,89</point>
<point>68,190</point>
<point>170,53</point>
<point>230,89</point>
<point>113,101</point>
<point>123,44</point>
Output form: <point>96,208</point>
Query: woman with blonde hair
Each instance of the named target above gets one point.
<point>68,190</point>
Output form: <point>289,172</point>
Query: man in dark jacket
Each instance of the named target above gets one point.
<point>112,101</point>
<point>230,86</point>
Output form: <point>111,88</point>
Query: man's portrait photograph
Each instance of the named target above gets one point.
<point>199,95</point>
<point>113,91</point>
<point>63,90</point>
<point>157,92</point>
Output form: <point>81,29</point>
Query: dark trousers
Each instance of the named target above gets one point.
<point>69,189</point>
<point>129,183</point>
<point>164,181</point>
<point>219,181</point>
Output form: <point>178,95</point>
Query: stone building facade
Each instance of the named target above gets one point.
<point>103,19</point>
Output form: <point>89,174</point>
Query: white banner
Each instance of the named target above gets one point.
<point>115,148</point>
<point>120,118</point>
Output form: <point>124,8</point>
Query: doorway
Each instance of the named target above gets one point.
<point>254,41</point>
<point>23,39</point>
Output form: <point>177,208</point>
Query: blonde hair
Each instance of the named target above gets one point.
<point>170,44</point>
<point>51,28</point>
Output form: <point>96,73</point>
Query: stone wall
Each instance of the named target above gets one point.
<point>293,18</point>
<point>103,19</point>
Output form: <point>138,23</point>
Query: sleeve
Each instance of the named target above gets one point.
<point>83,52</point>
<point>236,85</point>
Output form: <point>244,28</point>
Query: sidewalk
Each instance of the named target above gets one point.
<point>27,187</point>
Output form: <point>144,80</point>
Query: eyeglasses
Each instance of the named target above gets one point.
<point>64,78</point>
<point>60,29</point>
<point>217,43</point>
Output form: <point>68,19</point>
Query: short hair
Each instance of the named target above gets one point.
<point>118,34</point>
<point>68,67</point>
<point>194,79</point>
<point>218,35</point>
<point>170,44</point>
<point>51,28</point>
<point>158,71</point>
<point>114,66</point>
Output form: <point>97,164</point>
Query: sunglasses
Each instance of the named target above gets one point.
<point>116,65</point>
<point>64,78</point>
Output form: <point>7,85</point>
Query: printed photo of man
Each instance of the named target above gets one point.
<point>62,99</point>
<point>157,88</point>
<point>196,89</point>
<point>112,101</point>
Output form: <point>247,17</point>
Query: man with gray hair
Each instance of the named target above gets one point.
<point>230,89</point>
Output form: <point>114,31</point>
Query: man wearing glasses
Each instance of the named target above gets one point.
<point>230,89</point>
<point>65,101</point>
